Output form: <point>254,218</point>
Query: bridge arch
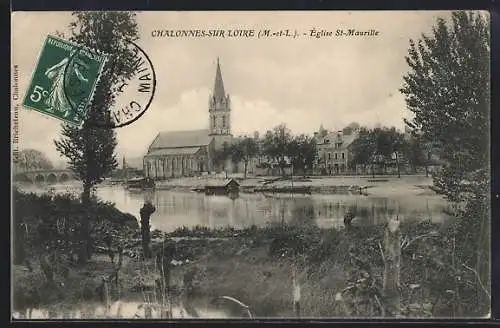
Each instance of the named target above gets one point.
<point>39,178</point>
<point>51,178</point>
<point>63,177</point>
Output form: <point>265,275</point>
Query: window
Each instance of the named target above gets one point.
<point>327,141</point>
<point>329,156</point>
<point>213,123</point>
<point>342,155</point>
<point>223,121</point>
<point>335,155</point>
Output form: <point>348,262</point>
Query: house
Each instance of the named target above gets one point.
<point>222,187</point>
<point>334,153</point>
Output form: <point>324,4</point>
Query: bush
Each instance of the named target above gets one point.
<point>52,224</point>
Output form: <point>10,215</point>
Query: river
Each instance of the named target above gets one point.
<point>175,209</point>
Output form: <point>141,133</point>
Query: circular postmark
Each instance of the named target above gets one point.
<point>110,100</point>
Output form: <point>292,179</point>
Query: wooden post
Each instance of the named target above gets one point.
<point>145,213</point>
<point>125,172</point>
<point>296,293</point>
<point>392,265</point>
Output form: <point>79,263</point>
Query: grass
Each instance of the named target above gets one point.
<point>232,267</point>
<point>262,282</point>
<point>253,265</point>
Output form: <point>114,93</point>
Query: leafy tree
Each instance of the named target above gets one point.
<point>390,144</point>
<point>32,159</point>
<point>293,152</point>
<point>448,90</point>
<point>350,128</point>
<point>302,152</point>
<point>244,150</point>
<point>275,145</point>
<point>363,148</point>
<point>308,151</point>
<point>377,146</point>
<point>416,151</point>
<point>90,149</point>
<point>221,155</point>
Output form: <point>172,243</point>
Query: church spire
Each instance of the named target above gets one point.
<point>219,92</point>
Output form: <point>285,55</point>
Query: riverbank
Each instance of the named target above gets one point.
<point>380,186</point>
<point>254,266</point>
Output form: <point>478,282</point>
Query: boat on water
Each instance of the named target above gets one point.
<point>140,183</point>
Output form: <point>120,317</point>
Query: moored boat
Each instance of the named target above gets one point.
<point>140,183</point>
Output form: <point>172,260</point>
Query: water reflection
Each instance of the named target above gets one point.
<point>175,209</point>
<point>121,310</point>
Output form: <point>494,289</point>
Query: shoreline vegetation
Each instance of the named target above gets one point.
<point>340,272</point>
<point>385,185</point>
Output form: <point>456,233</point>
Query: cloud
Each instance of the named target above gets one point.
<point>303,82</point>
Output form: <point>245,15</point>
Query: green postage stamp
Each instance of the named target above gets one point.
<point>64,80</point>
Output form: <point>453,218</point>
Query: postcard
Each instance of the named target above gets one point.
<point>255,165</point>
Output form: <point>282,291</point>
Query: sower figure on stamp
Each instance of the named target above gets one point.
<point>56,99</point>
<point>146,212</point>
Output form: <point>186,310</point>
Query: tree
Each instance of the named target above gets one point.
<point>350,128</point>
<point>363,148</point>
<point>221,155</point>
<point>309,152</point>
<point>302,152</point>
<point>293,152</point>
<point>244,150</point>
<point>275,145</point>
<point>416,152</point>
<point>32,160</point>
<point>448,91</point>
<point>391,144</point>
<point>322,132</point>
<point>90,149</point>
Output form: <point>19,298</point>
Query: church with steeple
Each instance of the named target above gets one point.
<point>190,153</point>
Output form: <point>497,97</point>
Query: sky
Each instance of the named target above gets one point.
<point>302,82</point>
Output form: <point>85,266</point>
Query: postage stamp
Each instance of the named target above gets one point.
<point>133,95</point>
<point>64,80</point>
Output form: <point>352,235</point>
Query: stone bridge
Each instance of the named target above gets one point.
<point>44,176</point>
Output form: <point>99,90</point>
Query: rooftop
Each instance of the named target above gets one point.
<point>180,139</point>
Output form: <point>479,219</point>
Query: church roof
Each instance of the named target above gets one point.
<point>174,151</point>
<point>219,92</point>
<point>180,139</point>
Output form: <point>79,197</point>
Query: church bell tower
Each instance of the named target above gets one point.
<point>219,111</point>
